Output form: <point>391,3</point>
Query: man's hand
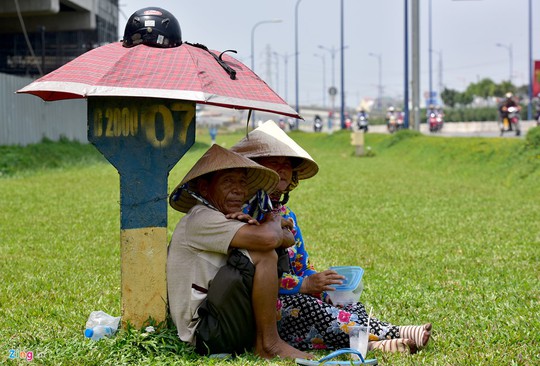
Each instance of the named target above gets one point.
<point>287,224</point>
<point>321,281</point>
<point>288,237</point>
<point>240,216</point>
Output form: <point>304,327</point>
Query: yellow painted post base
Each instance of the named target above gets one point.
<point>144,282</point>
<point>357,140</point>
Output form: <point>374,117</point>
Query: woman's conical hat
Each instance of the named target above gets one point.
<point>218,158</point>
<point>270,140</point>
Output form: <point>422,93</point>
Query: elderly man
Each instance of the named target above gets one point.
<point>222,265</point>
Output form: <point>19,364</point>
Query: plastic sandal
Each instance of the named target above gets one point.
<point>327,359</point>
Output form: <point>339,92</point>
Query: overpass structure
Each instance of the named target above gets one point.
<point>38,36</point>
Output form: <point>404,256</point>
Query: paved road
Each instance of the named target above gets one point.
<point>237,119</point>
<point>469,129</point>
<point>461,129</point>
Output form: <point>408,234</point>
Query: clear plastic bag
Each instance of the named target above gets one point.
<point>99,320</point>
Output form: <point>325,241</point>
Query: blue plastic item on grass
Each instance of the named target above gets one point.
<point>327,360</point>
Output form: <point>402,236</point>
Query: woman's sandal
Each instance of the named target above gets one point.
<point>327,359</point>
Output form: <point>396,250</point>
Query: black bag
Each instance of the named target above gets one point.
<point>283,261</point>
<point>227,324</point>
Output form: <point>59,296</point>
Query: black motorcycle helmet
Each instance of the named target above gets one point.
<point>152,26</point>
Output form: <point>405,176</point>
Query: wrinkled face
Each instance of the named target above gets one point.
<point>226,190</point>
<point>281,165</point>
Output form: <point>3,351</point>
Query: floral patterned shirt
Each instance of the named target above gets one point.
<point>299,264</point>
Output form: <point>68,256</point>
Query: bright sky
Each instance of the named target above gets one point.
<point>464,38</point>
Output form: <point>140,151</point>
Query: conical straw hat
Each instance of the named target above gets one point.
<point>270,140</point>
<point>218,158</point>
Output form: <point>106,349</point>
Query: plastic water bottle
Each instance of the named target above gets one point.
<point>100,324</point>
<point>98,332</point>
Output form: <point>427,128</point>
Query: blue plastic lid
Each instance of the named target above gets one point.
<point>353,276</point>
<point>89,332</point>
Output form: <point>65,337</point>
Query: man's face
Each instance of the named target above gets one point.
<point>226,190</point>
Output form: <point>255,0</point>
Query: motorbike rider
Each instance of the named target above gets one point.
<point>362,113</point>
<point>317,123</point>
<point>537,106</point>
<point>505,104</point>
<point>390,114</point>
<point>439,111</point>
<point>431,110</point>
<point>400,118</point>
<point>362,116</point>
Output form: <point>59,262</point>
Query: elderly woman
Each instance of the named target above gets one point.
<point>307,318</point>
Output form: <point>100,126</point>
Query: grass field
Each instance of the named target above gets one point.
<point>447,230</point>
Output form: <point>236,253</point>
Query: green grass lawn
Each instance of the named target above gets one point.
<point>447,230</point>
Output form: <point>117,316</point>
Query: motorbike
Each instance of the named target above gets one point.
<point>292,124</point>
<point>362,123</point>
<point>317,125</point>
<point>348,123</point>
<point>435,122</point>
<point>391,123</point>
<point>400,121</point>
<point>511,121</point>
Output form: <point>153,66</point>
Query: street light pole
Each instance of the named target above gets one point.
<point>509,48</point>
<point>380,88</point>
<point>415,83</point>
<point>323,77</point>
<point>253,51</point>
<point>342,69</point>
<point>253,39</point>
<point>430,96</point>
<point>406,65</point>
<point>332,51</point>
<point>286,67</point>
<point>277,71</point>
<point>296,57</point>
<point>440,71</point>
<point>332,55</point>
<point>529,107</point>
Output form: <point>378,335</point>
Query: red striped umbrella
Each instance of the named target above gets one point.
<point>188,72</point>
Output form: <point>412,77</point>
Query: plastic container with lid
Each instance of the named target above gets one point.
<point>350,290</point>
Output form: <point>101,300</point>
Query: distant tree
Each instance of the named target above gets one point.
<point>503,88</point>
<point>523,91</point>
<point>449,96</point>
<point>485,88</point>
<point>465,98</point>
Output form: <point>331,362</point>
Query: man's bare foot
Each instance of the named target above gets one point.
<point>420,334</point>
<point>281,349</point>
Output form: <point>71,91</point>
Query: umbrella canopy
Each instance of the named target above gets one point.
<point>188,72</point>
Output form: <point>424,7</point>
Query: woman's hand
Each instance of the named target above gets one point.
<point>321,281</point>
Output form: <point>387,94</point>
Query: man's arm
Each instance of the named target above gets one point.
<point>270,234</point>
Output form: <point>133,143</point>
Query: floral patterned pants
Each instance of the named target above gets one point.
<point>306,322</point>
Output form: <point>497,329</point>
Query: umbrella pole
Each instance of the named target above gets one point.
<point>143,138</point>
